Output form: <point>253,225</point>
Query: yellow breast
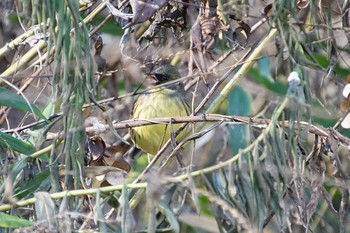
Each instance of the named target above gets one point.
<point>158,103</point>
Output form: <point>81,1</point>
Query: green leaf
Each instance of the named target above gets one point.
<point>17,167</point>
<point>324,62</point>
<point>264,65</point>
<point>238,104</point>
<point>10,221</point>
<point>275,86</point>
<point>11,99</point>
<point>40,182</point>
<point>169,214</point>
<point>16,144</point>
<point>110,27</point>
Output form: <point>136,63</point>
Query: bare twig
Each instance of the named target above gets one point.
<point>256,122</point>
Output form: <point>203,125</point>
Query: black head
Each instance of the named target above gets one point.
<point>163,74</point>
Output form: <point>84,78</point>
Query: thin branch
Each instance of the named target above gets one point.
<point>256,122</point>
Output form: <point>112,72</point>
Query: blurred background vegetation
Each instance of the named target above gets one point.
<point>268,83</point>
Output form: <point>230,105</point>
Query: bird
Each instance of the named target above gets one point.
<point>164,101</point>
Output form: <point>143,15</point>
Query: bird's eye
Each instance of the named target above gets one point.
<point>162,77</point>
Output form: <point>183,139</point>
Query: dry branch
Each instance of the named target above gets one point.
<point>256,122</point>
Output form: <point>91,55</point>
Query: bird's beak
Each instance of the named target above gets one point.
<point>152,79</point>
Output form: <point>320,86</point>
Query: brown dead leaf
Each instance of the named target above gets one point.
<point>115,178</point>
<point>210,28</point>
<point>97,147</point>
<point>344,105</point>
<point>302,4</point>
<point>121,163</point>
<point>87,111</point>
<point>242,33</point>
<point>120,149</point>
<point>266,10</point>
<point>143,10</point>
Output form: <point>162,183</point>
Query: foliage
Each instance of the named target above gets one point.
<point>263,79</point>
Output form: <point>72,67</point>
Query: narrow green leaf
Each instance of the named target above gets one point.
<point>10,221</point>
<point>15,144</point>
<point>324,62</point>
<point>275,86</point>
<point>10,99</point>
<point>169,214</point>
<point>19,166</point>
<point>40,182</point>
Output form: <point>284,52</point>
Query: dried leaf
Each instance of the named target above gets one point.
<point>115,12</point>
<point>204,34</point>
<point>112,150</point>
<point>242,33</point>
<point>196,36</point>
<point>266,10</point>
<point>64,219</point>
<point>197,47</point>
<point>45,209</point>
<point>98,162</point>
<point>194,196</point>
<point>210,29</point>
<point>125,216</point>
<point>154,190</point>
<point>121,163</point>
<point>153,194</point>
<point>173,17</point>
<point>302,4</point>
<point>315,187</point>
<point>107,160</point>
<point>211,26</point>
<point>87,111</point>
<point>115,178</point>
<point>96,146</point>
<point>344,105</point>
<point>143,10</point>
